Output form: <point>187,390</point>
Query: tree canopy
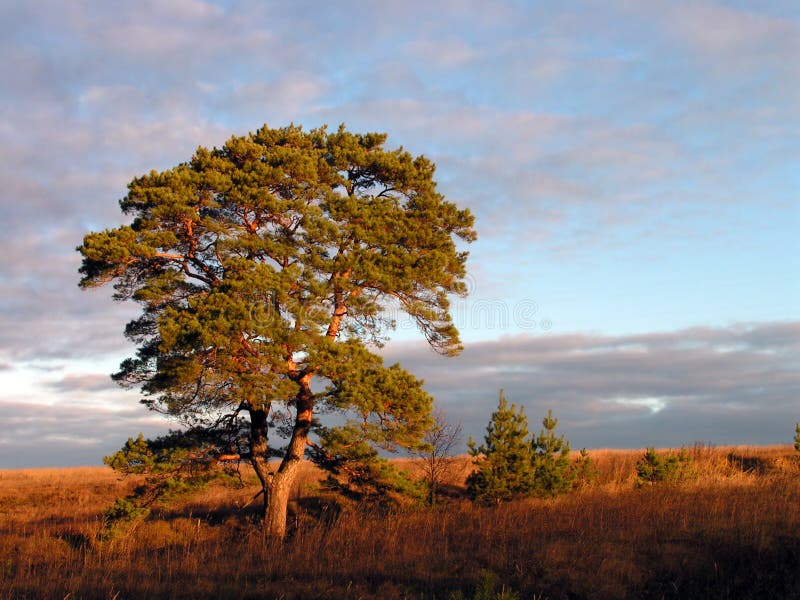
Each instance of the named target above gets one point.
<point>276,259</point>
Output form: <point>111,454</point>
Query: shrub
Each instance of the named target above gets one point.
<point>654,468</point>
<point>487,589</point>
<point>797,437</point>
<point>437,463</point>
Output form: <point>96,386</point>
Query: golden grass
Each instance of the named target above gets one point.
<point>730,531</point>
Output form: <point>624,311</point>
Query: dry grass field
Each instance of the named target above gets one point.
<point>731,530</point>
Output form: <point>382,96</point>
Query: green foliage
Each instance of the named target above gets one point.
<point>585,470</point>
<point>504,468</point>
<point>165,454</point>
<point>553,472</point>
<point>797,437</point>
<point>487,589</point>
<point>274,260</point>
<point>386,407</point>
<point>511,464</point>
<point>121,516</point>
<point>174,464</point>
<point>668,468</point>
<point>356,471</point>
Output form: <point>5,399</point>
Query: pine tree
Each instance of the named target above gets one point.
<point>504,469</point>
<point>553,472</point>
<point>270,264</point>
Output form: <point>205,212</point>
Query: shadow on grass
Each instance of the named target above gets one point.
<point>749,464</point>
<point>732,569</point>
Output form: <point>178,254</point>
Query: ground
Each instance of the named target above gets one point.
<point>731,529</point>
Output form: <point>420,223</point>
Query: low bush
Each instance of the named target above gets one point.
<point>657,468</point>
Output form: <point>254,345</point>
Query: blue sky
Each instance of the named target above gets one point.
<point>632,166</point>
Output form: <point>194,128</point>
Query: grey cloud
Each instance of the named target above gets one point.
<point>738,384</point>
<point>44,313</point>
<point>731,385</point>
<point>91,338</point>
<point>37,435</point>
<point>72,382</point>
<point>543,167</point>
<point>146,121</point>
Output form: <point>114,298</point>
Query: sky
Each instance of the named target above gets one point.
<point>632,165</point>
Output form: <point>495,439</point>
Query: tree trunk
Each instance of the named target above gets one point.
<point>277,507</point>
<point>281,484</point>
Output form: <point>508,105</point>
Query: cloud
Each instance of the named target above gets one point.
<point>726,34</point>
<point>46,316</point>
<point>443,53</point>
<point>569,131</point>
<point>73,382</point>
<point>633,390</point>
<point>37,435</point>
<point>186,38</point>
<point>283,98</point>
<point>724,385</point>
<point>564,182</point>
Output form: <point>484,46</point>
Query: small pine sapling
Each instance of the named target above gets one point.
<point>503,468</point>
<point>585,470</point>
<point>654,468</point>
<point>553,472</point>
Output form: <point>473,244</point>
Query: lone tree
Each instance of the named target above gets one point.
<point>269,263</point>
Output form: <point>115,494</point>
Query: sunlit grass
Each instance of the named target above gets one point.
<point>729,530</point>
